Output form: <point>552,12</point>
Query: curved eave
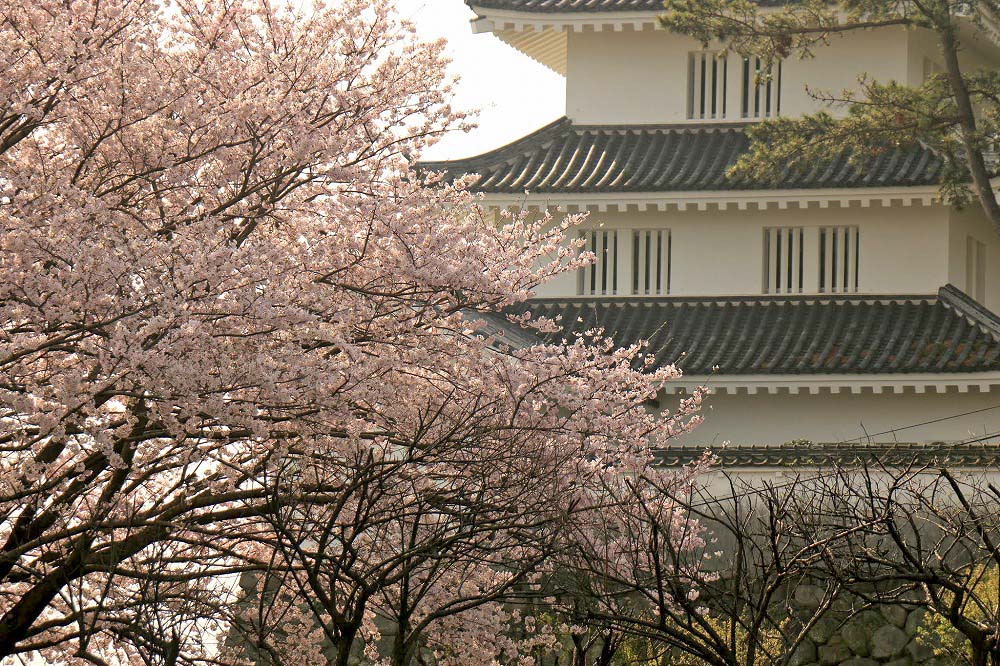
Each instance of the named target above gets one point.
<point>817,384</point>
<point>542,36</point>
<point>740,200</point>
<point>618,167</point>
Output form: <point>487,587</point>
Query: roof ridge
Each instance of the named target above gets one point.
<point>564,124</point>
<point>745,298</point>
<point>690,127</point>
<point>957,300</point>
<point>581,6</point>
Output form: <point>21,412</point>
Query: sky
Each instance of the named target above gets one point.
<point>513,94</point>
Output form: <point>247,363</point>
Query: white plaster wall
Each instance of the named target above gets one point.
<point>923,45</point>
<point>972,222</point>
<point>903,250</point>
<point>641,77</point>
<point>843,417</point>
<point>627,77</point>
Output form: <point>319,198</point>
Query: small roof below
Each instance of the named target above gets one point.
<point>570,5</point>
<point>582,5</point>
<point>572,159</point>
<point>795,335</point>
<point>809,454</point>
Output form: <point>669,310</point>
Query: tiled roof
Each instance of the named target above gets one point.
<point>796,335</point>
<point>808,454</point>
<point>566,158</point>
<point>582,5</point>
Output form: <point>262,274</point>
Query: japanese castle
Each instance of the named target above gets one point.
<point>845,306</point>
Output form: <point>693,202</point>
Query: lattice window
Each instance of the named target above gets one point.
<point>708,74</point>
<point>975,269</point>
<point>839,251</point>
<point>761,89</point>
<point>651,262</point>
<point>783,260</point>
<point>601,277</point>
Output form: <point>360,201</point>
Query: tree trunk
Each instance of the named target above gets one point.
<point>345,645</point>
<point>974,155</point>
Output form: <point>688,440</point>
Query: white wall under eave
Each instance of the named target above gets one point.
<point>903,249</point>
<point>640,77</point>
<point>768,419</point>
<point>924,53</point>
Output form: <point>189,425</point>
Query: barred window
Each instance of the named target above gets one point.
<point>761,88</point>
<point>651,262</point>
<point>601,277</point>
<point>783,260</point>
<point>708,73</point>
<point>839,251</point>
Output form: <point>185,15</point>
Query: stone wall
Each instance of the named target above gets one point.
<point>883,637</point>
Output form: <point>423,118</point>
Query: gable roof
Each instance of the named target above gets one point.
<point>795,335</point>
<point>566,158</point>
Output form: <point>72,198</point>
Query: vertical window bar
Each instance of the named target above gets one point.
<point>715,86</point>
<point>857,257</point>
<point>756,88</point>
<point>646,273</point>
<point>767,100</point>
<point>659,257</point>
<point>614,259</point>
<point>777,266</point>
<point>703,72</point>
<point>635,262</point>
<point>669,257</point>
<point>790,285</point>
<point>725,86</point>
<point>745,105</point>
<point>691,85</point>
<point>822,260</point>
<point>592,246</point>
<point>847,257</point>
<point>602,261</point>
<point>777,95</point>
<point>767,261</point>
<point>833,260</point>
<point>801,260</point>
<point>640,264</point>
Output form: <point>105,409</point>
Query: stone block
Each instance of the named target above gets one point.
<point>859,661</point>
<point>856,636</point>
<point>919,652</point>
<point>830,655</point>
<point>914,620</point>
<point>888,641</point>
<point>804,654</point>
<point>809,596</point>
<point>895,614</point>
<point>824,628</point>
<point>902,661</point>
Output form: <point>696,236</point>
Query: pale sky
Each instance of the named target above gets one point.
<point>514,94</point>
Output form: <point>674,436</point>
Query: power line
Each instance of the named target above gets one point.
<point>942,448</point>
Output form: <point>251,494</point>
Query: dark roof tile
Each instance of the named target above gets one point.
<point>943,333</point>
<point>566,158</point>
<point>809,454</point>
<point>575,6</point>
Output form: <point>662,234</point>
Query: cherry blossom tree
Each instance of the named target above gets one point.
<point>241,341</point>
